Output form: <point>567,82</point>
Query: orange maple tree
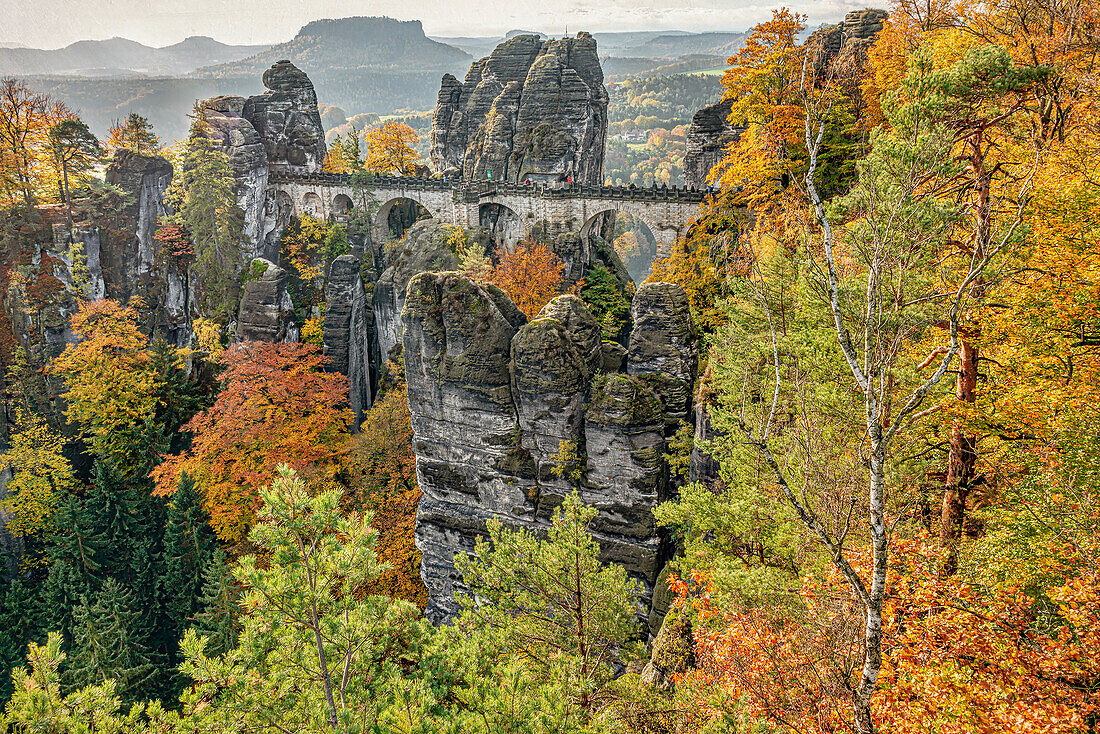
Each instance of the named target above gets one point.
<point>531,274</point>
<point>964,657</point>
<point>277,406</point>
<point>382,467</point>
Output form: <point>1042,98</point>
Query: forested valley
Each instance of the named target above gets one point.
<point>886,517</point>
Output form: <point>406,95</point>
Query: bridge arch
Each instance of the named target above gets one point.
<point>341,205</point>
<point>634,239</point>
<point>504,224</point>
<point>396,215</point>
<point>312,205</point>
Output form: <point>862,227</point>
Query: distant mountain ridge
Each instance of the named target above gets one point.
<point>121,57</point>
<point>324,46</point>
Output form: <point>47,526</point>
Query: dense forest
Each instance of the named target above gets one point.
<point>885,518</point>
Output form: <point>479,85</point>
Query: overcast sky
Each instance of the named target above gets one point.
<point>56,23</point>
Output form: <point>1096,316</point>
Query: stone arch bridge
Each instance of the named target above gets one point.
<point>665,211</point>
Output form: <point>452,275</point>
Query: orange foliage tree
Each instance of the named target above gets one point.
<point>531,274</point>
<point>965,656</point>
<point>382,468</point>
<point>277,406</point>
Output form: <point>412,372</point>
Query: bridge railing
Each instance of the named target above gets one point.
<point>472,191</point>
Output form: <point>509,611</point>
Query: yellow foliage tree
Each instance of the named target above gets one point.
<point>112,382</point>
<point>389,149</point>
<point>40,473</point>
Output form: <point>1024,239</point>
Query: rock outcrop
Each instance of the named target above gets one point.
<point>132,265</point>
<point>853,35</point>
<point>266,313</point>
<point>287,120</point>
<point>498,404</point>
<point>707,137</point>
<point>426,248</point>
<point>277,131</point>
<point>346,331</point>
<point>663,350</point>
<point>532,109</point>
<point>239,139</point>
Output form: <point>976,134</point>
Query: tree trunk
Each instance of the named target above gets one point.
<point>961,459</point>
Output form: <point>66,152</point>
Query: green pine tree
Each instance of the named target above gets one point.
<point>20,623</point>
<point>105,646</point>
<point>218,618</point>
<point>189,549</point>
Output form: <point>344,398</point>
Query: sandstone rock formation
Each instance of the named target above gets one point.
<point>707,137</point>
<point>277,131</point>
<point>287,120</point>
<point>494,401</point>
<point>236,135</point>
<point>425,248</point>
<point>663,351</point>
<point>853,35</point>
<point>347,331</point>
<point>531,109</point>
<point>266,313</point>
<point>131,265</point>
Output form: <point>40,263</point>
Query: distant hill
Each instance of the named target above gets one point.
<point>121,57</point>
<point>326,46</point>
<point>674,46</point>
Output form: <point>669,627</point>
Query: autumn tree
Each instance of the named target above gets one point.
<point>345,154</point>
<point>41,475</point>
<point>382,465</point>
<point>531,274</point>
<point>135,134</point>
<point>74,151</point>
<point>112,386</point>
<point>389,149</point>
<point>25,121</point>
<point>276,405</point>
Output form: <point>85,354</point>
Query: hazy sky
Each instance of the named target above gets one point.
<point>56,23</point>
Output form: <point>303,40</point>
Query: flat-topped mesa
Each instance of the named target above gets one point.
<point>532,110</point>
<point>509,417</point>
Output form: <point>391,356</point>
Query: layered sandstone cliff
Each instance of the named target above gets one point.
<point>509,417</point>
<point>532,109</point>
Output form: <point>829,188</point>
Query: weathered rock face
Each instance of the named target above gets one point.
<point>287,120</point>
<point>279,130</point>
<point>236,135</point>
<point>267,313</point>
<point>707,137</point>
<point>663,351</point>
<point>426,249</point>
<point>494,399</point>
<point>346,341</point>
<point>457,346</point>
<point>131,266</point>
<point>853,35</point>
<point>532,109</point>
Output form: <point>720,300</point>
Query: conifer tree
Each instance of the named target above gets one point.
<point>189,549</point>
<point>105,645</point>
<point>217,620</point>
